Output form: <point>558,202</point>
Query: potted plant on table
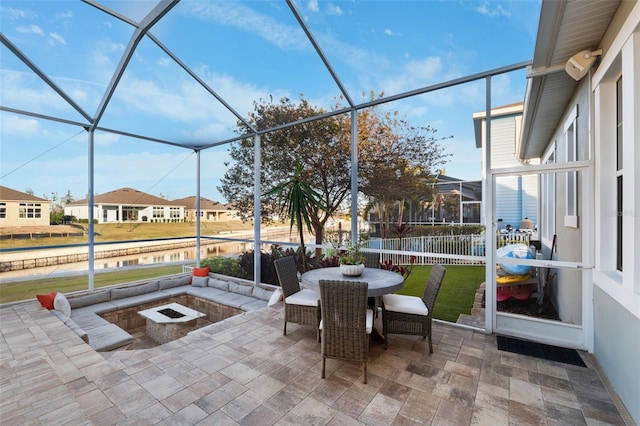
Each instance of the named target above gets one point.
<point>352,259</point>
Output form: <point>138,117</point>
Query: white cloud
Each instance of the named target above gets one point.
<point>390,32</point>
<point>30,29</point>
<point>57,37</point>
<point>313,5</point>
<point>16,125</point>
<point>17,13</point>
<point>332,9</point>
<point>248,20</point>
<point>164,61</point>
<point>68,14</point>
<point>491,10</point>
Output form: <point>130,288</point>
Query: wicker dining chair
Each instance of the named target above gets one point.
<point>301,306</point>
<point>410,314</point>
<point>372,260</point>
<point>346,322</point>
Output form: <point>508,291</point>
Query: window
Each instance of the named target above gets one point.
<point>3,210</point>
<point>129,213</point>
<point>174,212</point>
<point>619,182</point>
<point>158,212</point>
<point>30,211</point>
<point>571,150</point>
<point>548,197</point>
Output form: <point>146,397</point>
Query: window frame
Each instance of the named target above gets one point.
<point>571,178</point>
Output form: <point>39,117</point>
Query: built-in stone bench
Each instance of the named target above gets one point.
<point>102,317</point>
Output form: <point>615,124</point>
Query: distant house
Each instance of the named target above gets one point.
<point>210,211</point>
<point>516,196</point>
<point>21,209</point>
<point>450,197</point>
<point>127,204</point>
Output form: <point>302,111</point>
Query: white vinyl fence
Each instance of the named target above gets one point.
<point>448,249</point>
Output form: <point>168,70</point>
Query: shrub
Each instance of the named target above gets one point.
<point>441,230</point>
<point>268,273</point>
<point>229,266</point>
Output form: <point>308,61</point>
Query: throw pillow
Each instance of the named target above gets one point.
<point>200,272</point>
<point>46,300</point>
<point>275,297</point>
<point>199,281</point>
<point>61,304</point>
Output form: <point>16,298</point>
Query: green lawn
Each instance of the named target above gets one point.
<point>109,232</point>
<point>457,291</point>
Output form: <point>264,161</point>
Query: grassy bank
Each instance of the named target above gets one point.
<point>125,231</point>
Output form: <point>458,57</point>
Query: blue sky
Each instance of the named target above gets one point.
<point>244,51</point>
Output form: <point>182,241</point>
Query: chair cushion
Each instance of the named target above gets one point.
<point>369,323</point>
<point>88,299</point>
<point>405,304</point>
<point>135,290</point>
<point>261,293</point>
<point>242,289</point>
<point>304,297</point>
<point>219,284</point>
<point>174,282</point>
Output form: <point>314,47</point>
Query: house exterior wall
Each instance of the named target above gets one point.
<point>566,289</point>
<point>516,196</point>
<point>617,292</point>
<point>12,213</point>
<point>207,215</point>
<point>113,213</point>
<point>617,348</point>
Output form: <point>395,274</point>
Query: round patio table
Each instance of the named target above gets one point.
<point>380,281</point>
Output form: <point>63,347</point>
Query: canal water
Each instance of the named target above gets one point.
<point>184,255</point>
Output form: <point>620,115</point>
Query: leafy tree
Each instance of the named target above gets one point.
<point>394,158</point>
<point>67,198</point>
<point>398,169</point>
<point>318,145</point>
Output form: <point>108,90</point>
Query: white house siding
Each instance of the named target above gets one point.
<point>79,212</point>
<point>516,196</point>
<point>530,198</point>
<point>616,294</point>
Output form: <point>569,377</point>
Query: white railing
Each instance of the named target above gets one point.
<point>447,249</point>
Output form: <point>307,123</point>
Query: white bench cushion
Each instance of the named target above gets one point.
<point>304,297</point>
<point>405,304</point>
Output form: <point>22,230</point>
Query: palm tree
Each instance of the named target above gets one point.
<point>297,200</point>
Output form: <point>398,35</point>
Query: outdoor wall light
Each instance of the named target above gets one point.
<point>579,64</point>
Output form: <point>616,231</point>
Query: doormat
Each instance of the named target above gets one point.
<point>540,350</point>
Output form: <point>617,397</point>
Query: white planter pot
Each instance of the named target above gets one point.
<point>352,270</point>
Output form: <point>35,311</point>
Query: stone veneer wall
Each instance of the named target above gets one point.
<point>128,318</point>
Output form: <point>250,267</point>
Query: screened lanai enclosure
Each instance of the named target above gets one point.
<point>172,98</point>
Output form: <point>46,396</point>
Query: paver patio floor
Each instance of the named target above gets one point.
<point>244,371</point>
